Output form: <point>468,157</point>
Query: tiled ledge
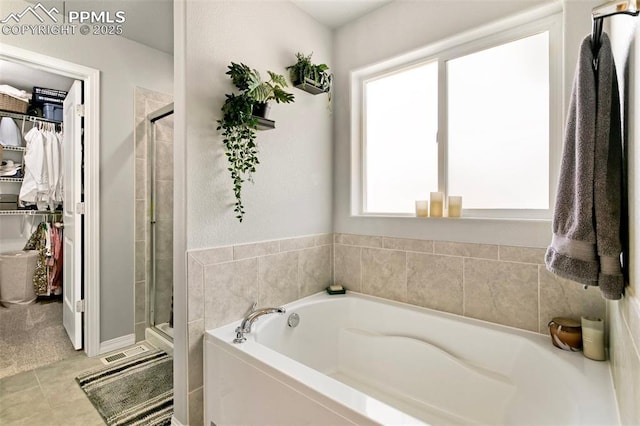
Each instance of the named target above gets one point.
<point>211,256</point>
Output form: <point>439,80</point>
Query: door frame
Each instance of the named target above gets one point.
<point>91,239</point>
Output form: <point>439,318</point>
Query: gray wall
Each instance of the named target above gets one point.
<point>292,191</point>
<point>123,64</point>
<point>292,194</point>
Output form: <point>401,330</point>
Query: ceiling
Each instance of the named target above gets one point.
<point>150,22</point>
<point>336,13</point>
<point>24,77</point>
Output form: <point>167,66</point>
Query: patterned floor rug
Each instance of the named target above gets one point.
<point>137,391</point>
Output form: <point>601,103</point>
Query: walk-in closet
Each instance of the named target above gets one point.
<point>37,173</point>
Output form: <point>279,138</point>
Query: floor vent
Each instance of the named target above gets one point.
<point>127,353</point>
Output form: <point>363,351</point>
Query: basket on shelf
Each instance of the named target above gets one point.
<point>9,103</point>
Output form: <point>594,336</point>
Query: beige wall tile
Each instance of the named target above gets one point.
<point>522,254</point>
<point>625,367</point>
<point>630,307</point>
<point>139,330</point>
<point>164,200</point>
<point>163,291</point>
<point>213,255</point>
<point>141,220</point>
<point>563,298</point>
<point>140,302</point>
<point>435,282</point>
<point>164,238</point>
<point>140,260</point>
<point>483,251</point>
<point>265,248</point>
<point>164,130</point>
<point>297,243</point>
<point>406,244</point>
<point>141,139</point>
<point>196,336</point>
<point>164,160</point>
<point>229,291</point>
<point>196,407</point>
<point>347,268</point>
<point>195,278</point>
<point>359,240</point>
<point>314,269</point>
<point>141,178</point>
<point>384,273</point>
<point>502,292</point>
<point>278,279</point>
<point>323,239</point>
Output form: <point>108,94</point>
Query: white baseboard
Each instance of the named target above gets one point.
<point>175,422</point>
<point>117,343</point>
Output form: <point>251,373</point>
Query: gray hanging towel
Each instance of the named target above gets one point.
<point>586,246</point>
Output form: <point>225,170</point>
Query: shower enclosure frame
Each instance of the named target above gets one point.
<point>152,118</point>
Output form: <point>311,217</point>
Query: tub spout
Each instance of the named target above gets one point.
<point>247,322</point>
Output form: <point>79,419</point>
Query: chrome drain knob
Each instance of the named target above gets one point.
<point>293,320</point>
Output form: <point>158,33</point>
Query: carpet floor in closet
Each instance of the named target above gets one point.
<point>32,336</point>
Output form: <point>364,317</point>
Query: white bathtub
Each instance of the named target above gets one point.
<point>356,359</point>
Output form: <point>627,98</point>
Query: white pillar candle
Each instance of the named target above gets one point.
<point>455,205</point>
<point>422,208</point>
<point>435,205</point>
<point>593,338</point>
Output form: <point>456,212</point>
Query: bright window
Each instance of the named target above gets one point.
<point>401,128</point>
<point>477,120</point>
<point>498,126</point>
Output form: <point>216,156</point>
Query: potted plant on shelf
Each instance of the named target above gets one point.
<point>239,123</point>
<point>312,78</point>
<point>250,82</point>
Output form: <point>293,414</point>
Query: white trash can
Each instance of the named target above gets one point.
<point>16,277</point>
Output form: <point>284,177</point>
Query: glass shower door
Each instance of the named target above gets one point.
<point>161,221</point>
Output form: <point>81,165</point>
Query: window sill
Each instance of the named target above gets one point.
<point>524,232</point>
<point>453,219</point>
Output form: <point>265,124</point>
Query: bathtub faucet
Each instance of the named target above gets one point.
<point>247,322</point>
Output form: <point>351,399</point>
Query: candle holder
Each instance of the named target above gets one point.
<point>422,208</point>
<point>454,203</point>
<point>435,204</point>
<point>593,338</point>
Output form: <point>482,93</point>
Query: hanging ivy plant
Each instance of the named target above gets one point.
<point>238,136</point>
<point>239,125</point>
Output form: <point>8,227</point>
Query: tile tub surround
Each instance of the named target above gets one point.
<point>624,352</point>
<point>225,281</point>
<point>501,284</point>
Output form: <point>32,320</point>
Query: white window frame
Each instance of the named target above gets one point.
<point>473,41</point>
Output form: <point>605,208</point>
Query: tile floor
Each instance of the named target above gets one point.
<point>49,395</point>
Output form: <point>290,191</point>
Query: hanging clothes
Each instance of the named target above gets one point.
<point>34,181</point>
<point>42,183</point>
<point>37,241</point>
<point>47,240</point>
<point>55,261</point>
<point>57,191</point>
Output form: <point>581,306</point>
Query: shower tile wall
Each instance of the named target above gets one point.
<point>501,284</point>
<point>225,281</point>
<point>146,102</point>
